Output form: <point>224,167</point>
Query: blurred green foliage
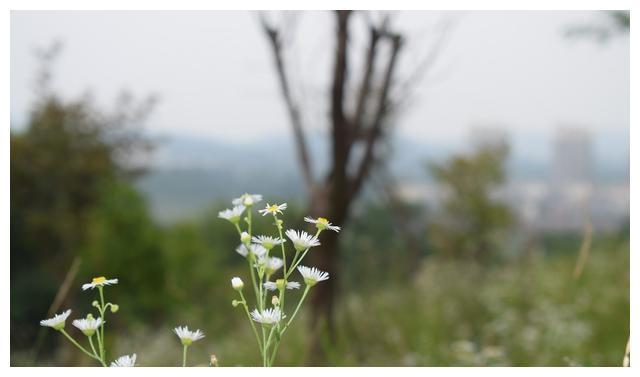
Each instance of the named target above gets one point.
<point>471,223</point>
<point>522,312</point>
<point>59,166</point>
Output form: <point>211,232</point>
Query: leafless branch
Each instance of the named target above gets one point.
<point>274,37</point>
<point>365,84</point>
<point>406,88</point>
<point>379,118</point>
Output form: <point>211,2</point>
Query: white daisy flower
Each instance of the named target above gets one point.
<point>58,320</point>
<point>187,337</point>
<point>247,200</point>
<point>322,224</point>
<point>99,282</point>
<point>232,215</point>
<point>267,241</point>
<point>312,275</point>
<point>273,264</point>
<point>302,240</point>
<point>257,250</point>
<point>242,250</point>
<point>267,316</point>
<point>273,209</point>
<point>237,283</point>
<point>88,325</point>
<point>125,361</point>
<point>272,285</point>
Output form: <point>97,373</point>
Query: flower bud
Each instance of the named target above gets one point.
<point>275,301</point>
<point>245,237</point>
<point>114,308</point>
<point>235,303</point>
<point>95,304</point>
<point>214,361</point>
<point>89,316</point>
<point>237,283</point>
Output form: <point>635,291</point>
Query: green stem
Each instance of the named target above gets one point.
<point>266,348</point>
<point>275,351</point>
<point>92,347</point>
<point>304,295</point>
<point>102,312</point>
<point>286,275</point>
<point>253,278</point>
<point>253,326</point>
<point>184,355</point>
<point>284,254</point>
<point>260,298</point>
<point>80,347</point>
<point>277,344</point>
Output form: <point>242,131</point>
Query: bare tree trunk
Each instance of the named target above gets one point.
<point>333,195</point>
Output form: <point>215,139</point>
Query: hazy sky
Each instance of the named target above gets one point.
<point>214,75</point>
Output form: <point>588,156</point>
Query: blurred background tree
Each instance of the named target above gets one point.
<point>71,172</point>
<point>605,26</point>
<point>472,222</point>
<point>362,111</point>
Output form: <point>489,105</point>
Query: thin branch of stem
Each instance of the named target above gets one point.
<point>184,355</point>
<point>80,347</point>
<point>253,326</point>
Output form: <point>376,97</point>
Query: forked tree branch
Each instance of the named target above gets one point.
<point>365,84</point>
<point>274,37</point>
<point>408,85</point>
<point>381,112</point>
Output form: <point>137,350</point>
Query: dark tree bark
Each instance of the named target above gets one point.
<point>332,196</point>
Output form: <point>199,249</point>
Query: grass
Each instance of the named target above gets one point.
<point>527,312</point>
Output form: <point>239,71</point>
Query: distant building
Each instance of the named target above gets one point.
<point>572,160</point>
<point>565,200</point>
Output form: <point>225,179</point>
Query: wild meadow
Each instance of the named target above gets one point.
<point>348,246</point>
<point>528,309</point>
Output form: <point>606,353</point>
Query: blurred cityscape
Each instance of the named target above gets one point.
<point>567,195</point>
<point>558,192</point>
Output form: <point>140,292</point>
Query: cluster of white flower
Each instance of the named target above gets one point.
<point>92,328</point>
<point>269,273</point>
<point>263,268</point>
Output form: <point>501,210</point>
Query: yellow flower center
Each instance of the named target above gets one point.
<point>323,221</point>
<point>98,280</point>
<point>273,208</point>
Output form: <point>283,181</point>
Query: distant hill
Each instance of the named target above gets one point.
<point>186,174</point>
